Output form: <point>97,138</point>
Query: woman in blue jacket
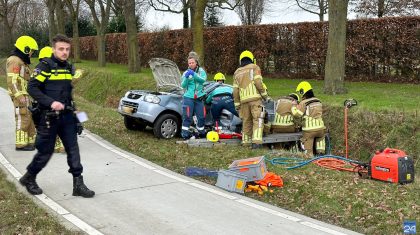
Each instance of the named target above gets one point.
<point>192,104</point>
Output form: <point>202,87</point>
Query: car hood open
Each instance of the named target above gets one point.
<point>166,74</point>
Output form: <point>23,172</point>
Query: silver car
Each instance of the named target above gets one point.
<point>160,109</point>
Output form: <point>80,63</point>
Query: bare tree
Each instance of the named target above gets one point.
<point>100,19</point>
<point>335,64</point>
<point>60,16</point>
<point>380,8</point>
<point>129,8</point>
<point>251,11</point>
<point>197,24</point>
<point>74,6</point>
<point>317,7</point>
<point>51,6</point>
<point>175,6</point>
<point>8,14</point>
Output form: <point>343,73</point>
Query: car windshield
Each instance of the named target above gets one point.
<point>166,74</point>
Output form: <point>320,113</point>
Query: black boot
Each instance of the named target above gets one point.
<point>29,182</point>
<point>80,189</point>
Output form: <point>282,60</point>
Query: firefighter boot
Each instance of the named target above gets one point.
<point>80,189</point>
<point>29,182</point>
<point>29,147</point>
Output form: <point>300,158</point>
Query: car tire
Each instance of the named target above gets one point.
<point>166,126</point>
<point>133,124</point>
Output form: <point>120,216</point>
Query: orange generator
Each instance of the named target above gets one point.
<point>392,165</point>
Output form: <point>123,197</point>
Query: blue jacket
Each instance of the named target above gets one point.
<point>219,90</point>
<point>194,85</point>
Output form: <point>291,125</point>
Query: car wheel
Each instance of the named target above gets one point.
<point>166,126</point>
<point>133,124</point>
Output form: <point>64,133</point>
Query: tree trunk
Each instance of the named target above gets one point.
<point>335,64</point>
<point>51,19</point>
<point>186,22</point>
<point>76,41</point>
<point>198,26</point>
<point>101,47</point>
<point>7,41</point>
<point>321,11</point>
<point>60,14</point>
<point>132,42</point>
<point>381,8</point>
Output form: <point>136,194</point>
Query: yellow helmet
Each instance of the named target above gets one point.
<point>295,96</point>
<point>45,52</point>
<point>25,44</point>
<point>303,87</point>
<point>219,76</point>
<point>247,54</point>
<point>212,136</point>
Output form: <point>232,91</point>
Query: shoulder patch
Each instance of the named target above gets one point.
<point>36,72</point>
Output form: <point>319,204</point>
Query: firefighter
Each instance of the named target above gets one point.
<point>221,98</point>
<point>248,94</point>
<point>18,74</point>
<point>192,103</point>
<point>46,52</point>
<point>283,118</point>
<point>51,87</point>
<point>310,109</point>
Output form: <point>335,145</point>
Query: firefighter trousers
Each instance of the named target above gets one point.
<point>252,122</point>
<point>25,128</point>
<point>311,137</point>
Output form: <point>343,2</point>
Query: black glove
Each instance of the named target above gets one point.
<point>79,128</point>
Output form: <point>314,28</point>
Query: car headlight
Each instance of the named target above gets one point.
<point>152,99</point>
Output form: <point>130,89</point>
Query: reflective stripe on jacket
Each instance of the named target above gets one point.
<point>311,110</point>
<point>18,75</point>
<point>283,116</point>
<point>248,84</point>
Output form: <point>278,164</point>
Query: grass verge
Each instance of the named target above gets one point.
<point>20,215</point>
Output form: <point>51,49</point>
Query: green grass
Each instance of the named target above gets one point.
<point>340,198</point>
<point>115,80</point>
<point>20,215</point>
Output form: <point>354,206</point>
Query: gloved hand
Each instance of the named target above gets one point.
<point>79,128</point>
<point>189,73</point>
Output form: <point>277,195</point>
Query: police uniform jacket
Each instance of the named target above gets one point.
<point>51,81</point>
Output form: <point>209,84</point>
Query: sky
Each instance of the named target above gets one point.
<point>278,13</point>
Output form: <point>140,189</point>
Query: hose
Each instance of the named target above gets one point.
<point>327,161</point>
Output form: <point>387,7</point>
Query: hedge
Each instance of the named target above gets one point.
<point>386,49</point>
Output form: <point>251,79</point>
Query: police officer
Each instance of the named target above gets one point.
<point>44,53</point>
<point>248,94</point>
<point>18,74</point>
<point>221,98</point>
<point>283,118</point>
<point>310,109</point>
<point>51,87</point>
<point>192,103</point>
